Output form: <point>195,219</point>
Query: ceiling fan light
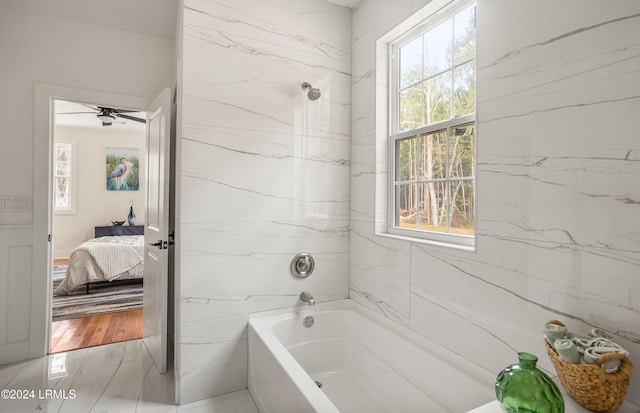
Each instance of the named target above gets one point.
<point>106,118</point>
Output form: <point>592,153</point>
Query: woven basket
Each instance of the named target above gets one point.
<point>588,384</point>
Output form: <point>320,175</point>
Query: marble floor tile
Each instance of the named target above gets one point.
<point>116,378</point>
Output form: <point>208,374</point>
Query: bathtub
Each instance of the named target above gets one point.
<point>353,360</point>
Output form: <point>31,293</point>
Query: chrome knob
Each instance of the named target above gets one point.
<point>302,265</point>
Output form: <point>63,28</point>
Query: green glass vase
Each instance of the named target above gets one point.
<point>522,388</point>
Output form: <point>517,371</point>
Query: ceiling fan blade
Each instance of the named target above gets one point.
<point>93,108</point>
<point>124,111</point>
<point>76,113</point>
<point>120,115</point>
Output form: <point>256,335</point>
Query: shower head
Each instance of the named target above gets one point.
<point>312,92</point>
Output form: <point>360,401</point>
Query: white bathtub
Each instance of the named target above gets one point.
<point>365,363</point>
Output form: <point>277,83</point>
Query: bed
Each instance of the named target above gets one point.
<point>104,260</point>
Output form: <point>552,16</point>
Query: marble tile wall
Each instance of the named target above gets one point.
<point>558,177</point>
<point>264,173</point>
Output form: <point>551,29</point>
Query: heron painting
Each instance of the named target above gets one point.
<point>123,169</point>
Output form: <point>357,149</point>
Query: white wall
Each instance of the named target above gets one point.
<point>264,173</point>
<point>95,205</point>
<point>37,47</point>
<point>42,48</point>
<point>558,179</point>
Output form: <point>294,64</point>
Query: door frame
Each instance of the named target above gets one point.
<point>41,288</point>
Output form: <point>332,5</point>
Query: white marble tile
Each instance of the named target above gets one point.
<point>557,172</point>
<point>237,402</point>
<point>379,274</point>
<point>265,173</point>
<point>558,168</point>
<point>213,359</point>
<point>116,378</point>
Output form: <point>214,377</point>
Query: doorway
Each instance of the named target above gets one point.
<point>157,322</point>
<point>90,143</point>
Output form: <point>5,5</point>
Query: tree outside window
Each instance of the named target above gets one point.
<point>62,176</point>
<point>433,134</point>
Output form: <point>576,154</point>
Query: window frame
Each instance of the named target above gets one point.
<point>395,134</point>
<point>71,208</point>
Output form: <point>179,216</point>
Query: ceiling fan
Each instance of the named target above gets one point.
<point>108,115</point>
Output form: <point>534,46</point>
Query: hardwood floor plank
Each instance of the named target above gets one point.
<point>92,324</point>
<point>121,327</point>
<point>101,329</point>
<point>98,335</point>
<point>82,332</point>
<point>134,324</point>
<point>110,334</point>
<point>58,329</point>
<point>66,337</point>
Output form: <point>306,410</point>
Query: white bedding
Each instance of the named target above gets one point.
<point>104,259</point>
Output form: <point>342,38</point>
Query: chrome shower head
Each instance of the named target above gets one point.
<point>312,92</point>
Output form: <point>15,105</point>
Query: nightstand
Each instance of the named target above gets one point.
<point>119,230</point>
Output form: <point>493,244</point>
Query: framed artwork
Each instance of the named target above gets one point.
<point>123,169</point>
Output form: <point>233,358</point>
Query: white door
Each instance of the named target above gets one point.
<point>156,231</point>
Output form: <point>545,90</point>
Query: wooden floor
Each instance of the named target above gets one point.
<point>96,330</point>
<point>61,261</point>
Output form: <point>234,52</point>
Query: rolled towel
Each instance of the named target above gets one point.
<point>596,332</point>
<point>607,346</point>
<point>552,332</point>
<point>592,354</point>
<point>572,335</point>
<point>582,342</point>
<point>567,350</point>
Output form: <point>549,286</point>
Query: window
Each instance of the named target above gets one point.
<point>432,138</point>
<point>63,178</point>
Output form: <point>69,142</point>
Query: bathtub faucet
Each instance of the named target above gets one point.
<point>307,298</point>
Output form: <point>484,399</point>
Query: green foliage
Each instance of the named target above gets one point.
<point>133,179</point>
<point>433,194</point>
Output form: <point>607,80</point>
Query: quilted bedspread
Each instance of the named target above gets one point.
<point>114,255</point>
<point>104,259</point>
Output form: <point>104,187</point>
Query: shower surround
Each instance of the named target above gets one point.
<point>264,174</point>
<point>558,176</point>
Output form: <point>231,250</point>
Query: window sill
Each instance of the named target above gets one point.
<point>64,212</point>
<point>429,242</point>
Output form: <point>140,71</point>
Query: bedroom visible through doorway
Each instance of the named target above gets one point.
<point>99,194</point>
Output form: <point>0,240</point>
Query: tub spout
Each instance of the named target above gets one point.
<point>307,298</point>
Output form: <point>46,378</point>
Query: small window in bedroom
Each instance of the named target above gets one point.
<point>432,133</point>
<point>63,178</point>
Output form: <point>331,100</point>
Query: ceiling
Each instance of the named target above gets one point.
<point>67,115</point>
<point>148,17</point>
<point>347,3</point>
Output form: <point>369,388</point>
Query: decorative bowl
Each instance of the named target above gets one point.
<point>117,223</point>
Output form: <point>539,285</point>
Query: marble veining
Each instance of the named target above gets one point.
<point>115,378</point>
<point>265,173</point>
<point>388,310</point>
<point>562,36</point>
<point>558,188</point>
